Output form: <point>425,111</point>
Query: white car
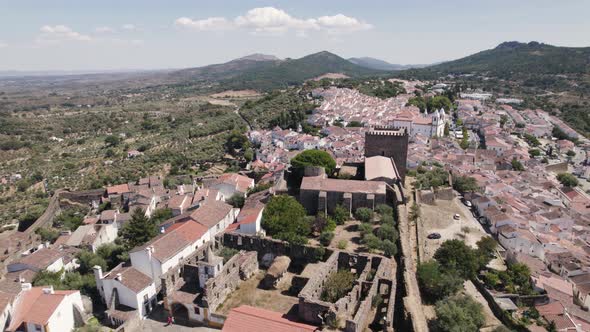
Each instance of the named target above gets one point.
<point>456,216</point>
<point>468,204</point>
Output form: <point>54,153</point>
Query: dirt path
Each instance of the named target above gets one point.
<point>491,320</point>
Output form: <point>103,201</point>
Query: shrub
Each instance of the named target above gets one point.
<point>326,238</point>
<point>389,248</point>
<point>363,214</point>
<point>284,218</point>
<point>567,179</point>
<point>314,158</point>
<point>435,284</point>
<point>340,214</point>
<point>342,244</point>
<point>337,285</point>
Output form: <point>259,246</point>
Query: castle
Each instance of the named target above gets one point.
<point>386,151</point>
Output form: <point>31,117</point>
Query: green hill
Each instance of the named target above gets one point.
<point>263,72</point>
<point>511,59</point>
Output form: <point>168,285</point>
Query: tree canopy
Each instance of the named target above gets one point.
<point>139,230</point>
<point>455,255</point>
<point>459,313</point>
<point>436,284</point>
<point>314,158</point>
<point>567,179</point>
<point>284,218</point>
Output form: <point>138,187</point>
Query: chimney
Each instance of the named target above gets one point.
<point>162,230</point>
<point>119,277</point>
<point>97,272</point>
<point>25,286</point>
<point>48,290</point>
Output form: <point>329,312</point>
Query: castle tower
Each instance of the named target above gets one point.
<point>389,142</point>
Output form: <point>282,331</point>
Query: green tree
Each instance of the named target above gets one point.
<point>314,158</point>
<point>113,254</point>
<point>447,129</point>
<point>434,283</point>
<point>567,179</point>
<point>534,152</point>
<point>438,102</point>
<point>387,232</point>
<point>459,313</point>
<point>486,249</point>
<point>139,230</point>
<point>284,218</point>
<point>465,184</point>
<point>161,215</point>
<point>389,248</point>
<point>88,260</point>
<point>517,165</point>
<point>112,140</point>
<point>237,200</point>
<point>455,255</point>
<point>337,285</point>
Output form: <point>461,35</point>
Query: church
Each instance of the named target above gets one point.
<point>415,122</point>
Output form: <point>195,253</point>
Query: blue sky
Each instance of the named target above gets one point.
<point>149,34</point>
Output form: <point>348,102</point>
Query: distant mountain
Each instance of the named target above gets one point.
<point>379,64</point>
<point>259,57</point>
<point>515,58</point>
<point>225,70</point>
<point>280,74</point>
<point>267,72</point>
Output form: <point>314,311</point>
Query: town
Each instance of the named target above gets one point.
<point>379,179</point>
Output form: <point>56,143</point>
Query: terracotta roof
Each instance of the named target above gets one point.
<point>250,319</point>
<point>42,258</point>
<point>130,277</point>
<point>242,183</point>
<point>211,213</point>
<point>337,185</point>
<point>36,307</point>
<point>177,237</point>
<point>118,189</point>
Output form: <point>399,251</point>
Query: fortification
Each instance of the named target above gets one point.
<point>389,142</point>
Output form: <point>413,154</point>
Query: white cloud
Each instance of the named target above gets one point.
<point>342,23</point>
<point>58,33</point>
<point>105,29</point>
<point>3,45</point>
<point>129,27</point>
<point>270,20</point>
<point>208,24</point>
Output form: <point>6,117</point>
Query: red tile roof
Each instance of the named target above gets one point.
<point>35,306</point>
<point>250,319</point>
<point>118,189</point>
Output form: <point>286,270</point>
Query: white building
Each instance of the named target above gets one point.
<point>429,125</point>
<point>127,286</point>
<point>167,250</point>
<point>215,215</point>
<point>93,236</point>
<point>232,183</point>
<point>42,309</point>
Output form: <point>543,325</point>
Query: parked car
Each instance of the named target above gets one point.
<point>456,216</point>
<point>468,204</point>
<point>433,236</point>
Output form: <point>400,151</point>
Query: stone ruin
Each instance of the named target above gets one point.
<point>376,277</point>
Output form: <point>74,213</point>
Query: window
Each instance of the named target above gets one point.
<point>197,311</point>
<point>38,328</point>
<point>145,297</point>
<point>217,226</point>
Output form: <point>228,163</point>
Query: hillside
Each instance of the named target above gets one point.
<point>225,70</point>
<point>378,64</point>
<point>514,58</point>
<point>264,73</point>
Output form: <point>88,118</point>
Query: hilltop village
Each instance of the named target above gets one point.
<point>329,230</point>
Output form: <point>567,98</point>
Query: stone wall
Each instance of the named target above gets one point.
<point>218,288</point>
<point>557,168</point>
<point>372,271</point>
<point>84,197</point>
<point>299,254</point>
<point>316,201</point>
<point>429,196</point>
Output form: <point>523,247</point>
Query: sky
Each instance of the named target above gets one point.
<point>149,34</point>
